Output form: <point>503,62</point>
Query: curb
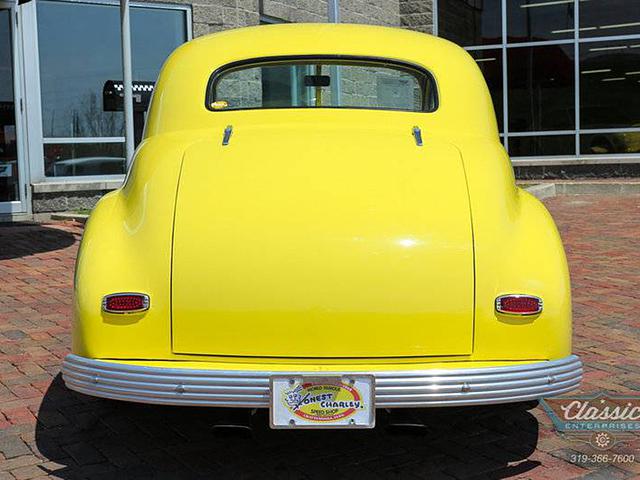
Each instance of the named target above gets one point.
<point>599,188</point>
<point>76,217</point>
<point>547,190</point>
<point>542,190</point>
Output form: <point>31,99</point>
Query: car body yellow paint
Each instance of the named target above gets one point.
<point>321,239</point>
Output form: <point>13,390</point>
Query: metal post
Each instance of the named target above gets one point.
<point>576,74</point>
<point>505,77</point>
<point>434,16</point>
<point>336,90</point>
<point>334,11</point>
<point>126,80</point>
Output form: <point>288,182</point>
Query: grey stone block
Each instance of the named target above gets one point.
<point>278,10</point>
<point>64,201</point>
<point>415,6</point>
<point>230,17</point>
<point>249,5</point>
<point>200,29</point>
<point>208,14</point>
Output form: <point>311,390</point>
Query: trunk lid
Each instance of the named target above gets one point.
<point>322,243</point>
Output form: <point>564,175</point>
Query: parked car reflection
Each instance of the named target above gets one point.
<point>75,159</point>
<point>611,142</point>
<point>88,166</point>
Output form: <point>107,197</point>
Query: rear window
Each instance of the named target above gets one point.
<point>322,83</point>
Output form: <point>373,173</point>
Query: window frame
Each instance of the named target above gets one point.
<point>402,65</point>
<point>33,98</point>
<point>577,41</point>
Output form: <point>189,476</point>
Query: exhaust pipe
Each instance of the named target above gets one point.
<point>402,421</point>
<point>234,422</point>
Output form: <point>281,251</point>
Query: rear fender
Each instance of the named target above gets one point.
<point>517,250</point>
<point>126,247</point>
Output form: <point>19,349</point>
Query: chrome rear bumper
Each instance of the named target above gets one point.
<point>407,388</point>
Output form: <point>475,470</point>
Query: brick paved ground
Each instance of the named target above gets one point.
<point>47,430</point>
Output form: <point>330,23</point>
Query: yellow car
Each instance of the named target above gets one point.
<point>321,221</point>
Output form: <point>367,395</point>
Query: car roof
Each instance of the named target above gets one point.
<point>464,101</point>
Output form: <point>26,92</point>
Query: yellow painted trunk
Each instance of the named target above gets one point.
<point>294,242</point>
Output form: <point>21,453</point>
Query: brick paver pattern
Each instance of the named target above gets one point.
<point>46,430</point>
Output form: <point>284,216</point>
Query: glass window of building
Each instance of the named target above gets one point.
<point>75,62</point>
<point>537,20</point>
<point>490,63</point>
<point>539,145</point>
<point>599,18</point>
<point>550,69</point>
<point>610,97</point>
<point>610,84</point>
<point>8,144</point>
<point>541,88</point>
<point>471,22</point>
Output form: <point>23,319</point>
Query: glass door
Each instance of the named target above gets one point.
<point>11,165</point>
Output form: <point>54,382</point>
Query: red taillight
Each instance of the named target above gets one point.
<point>125,302</point>
<point>519,304</point>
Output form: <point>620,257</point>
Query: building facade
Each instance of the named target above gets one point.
<point>564,76</point>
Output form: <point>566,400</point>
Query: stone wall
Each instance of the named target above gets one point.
<point>48,202</point>
<point>211,16</point>
<point>296,10</point>
<point>416,15</point>
<point>374,12</point>
<point>570,172</point>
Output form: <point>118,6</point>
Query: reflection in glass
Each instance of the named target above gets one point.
<point>607,143</point>
<point>610,85</point>
<point>155,33</point>
<point>79,47</point>
<point>542,145</point>
<point>535,20</point>
<point>470,22</point>
<point>541,88</point>
<point>599,18</point>
<point>73,159</point>
<point>8,151</point>
<point>490,63</point>
<point>283,86</point>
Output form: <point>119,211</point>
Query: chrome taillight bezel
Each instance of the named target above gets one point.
<point>500,308</point>
<point>146,302</point>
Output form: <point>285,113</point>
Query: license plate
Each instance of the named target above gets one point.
<point>302,401</point>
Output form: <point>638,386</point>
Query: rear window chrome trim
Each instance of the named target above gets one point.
<point>400,64</point>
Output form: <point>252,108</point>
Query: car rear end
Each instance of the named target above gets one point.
<point>321,251</point>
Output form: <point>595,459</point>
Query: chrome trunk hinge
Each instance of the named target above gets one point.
<point>417,135</point>
<point>227,135</point>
